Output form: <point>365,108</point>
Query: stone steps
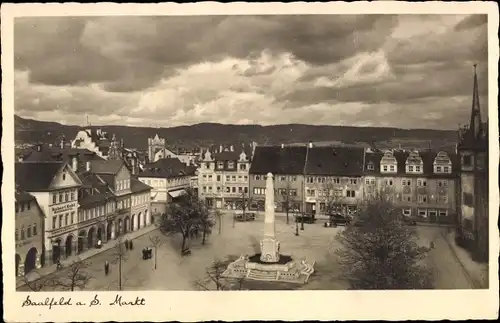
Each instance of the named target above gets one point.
<point>261,275</point>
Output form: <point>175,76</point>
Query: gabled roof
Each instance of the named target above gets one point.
<point>227,155</point>
<point>278,160</point>
<point>23,196</point>
<point>36,177</point>
<point>106,166</point>
<point>165,168</point>
<point>341,161</point>
<point>138,186</point>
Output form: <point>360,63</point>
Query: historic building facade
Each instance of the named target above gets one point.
<point>422,184</point>
<point>223,178</point>
<point>473,197</point>
<point>29,234</point>
<point>55,186</point>
<point>287,165</point>
<point>334,176</point>
<point>169,178</point>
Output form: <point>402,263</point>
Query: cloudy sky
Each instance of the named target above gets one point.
<point>409,71</point>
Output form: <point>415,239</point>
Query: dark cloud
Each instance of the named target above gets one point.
<point>472,21</point>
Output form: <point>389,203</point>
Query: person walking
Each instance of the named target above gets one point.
<point>131,245</point>
<point>126,244</point>
<point>106,268</point>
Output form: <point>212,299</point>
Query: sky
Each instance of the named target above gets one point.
<point>405,71</point>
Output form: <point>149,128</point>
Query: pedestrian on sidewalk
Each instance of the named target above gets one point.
<point>126,244</point>
<point>106,267</point>
<point>131,245</point>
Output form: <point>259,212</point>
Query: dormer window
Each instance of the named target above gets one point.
<point>230,165</point>
<point>410,168</point>
<point>220,165</point>
<point>446,169</point>
<point>392,168</point>
<point>370,166</point>
<point>243,166</point>
<point>385,168</point>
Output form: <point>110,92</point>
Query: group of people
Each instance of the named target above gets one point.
<point>147,253</point>
<point>129,245</point>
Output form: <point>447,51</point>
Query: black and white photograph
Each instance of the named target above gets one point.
<point>251,152</point>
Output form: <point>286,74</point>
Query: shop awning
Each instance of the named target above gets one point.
<point>176,193</point>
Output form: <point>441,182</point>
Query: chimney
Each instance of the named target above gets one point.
<point>220,148</point>
<point>87,165</point>
<point>39,147</point>
<point>310,145</point>
<point>74,163</point>
<point>282,146</point>
<point>231,148</point>
<point>62,143</point>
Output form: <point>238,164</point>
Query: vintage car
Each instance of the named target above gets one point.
<point>244,217</point>
<point>337,219</point>
<point>305,218</point>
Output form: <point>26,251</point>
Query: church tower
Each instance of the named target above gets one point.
<point>154,145</point>
<point>472,229</point>
<point>114,149</point>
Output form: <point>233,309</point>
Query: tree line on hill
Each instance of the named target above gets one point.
<point>206,134</point>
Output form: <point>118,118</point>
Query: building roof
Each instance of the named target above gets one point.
<point>227,155</point>
<point>23,196</point>
<point>95,199</point>
<point>106,166</point>
<point>428,157</point>
<point>278,160</point>
<point>166,168</point>
<point>36,177</point>
<point>341,161</point>
<point>138,186</point>
<point>45,153</point>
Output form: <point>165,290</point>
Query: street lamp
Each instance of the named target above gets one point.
<point>296,224</point>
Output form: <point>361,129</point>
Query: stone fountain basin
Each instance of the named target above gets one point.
<point>285,263</point>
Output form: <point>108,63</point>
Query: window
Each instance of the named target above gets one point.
<point>34,230</point>
<point>422,212</point>
<point>407,212</point>
<point>28,232</point>
<point>467,199</point>
<point>336,180</point>
<point>353,181</point>
<point>432,213</point>
<point>218,189</point>
<point>384,168</point>
<point>17,235</point>
<point>421,182</point>
<point>310,180</point>
<point>60,197</point>
<point>351,193</point>
<point>243,166</point>
<point>228,189</point>
<point>220,165</point>
<point>445,183</point>
<point>438,169</point>
<point>259,191</point>
<point>22,233</point>
<point>407,198</point>
<point>240,189</point>
<point>443,213</point>
<point>444,199</point>
<point>246,190</point>
<point>54,219</point>
<point>66,219</point>
<point>233,178</point>
<point>422,199</point>
<point>293,178</point>
<point>392,168</point>
<point>230,165</point>
<point>310,193</point>
<point>367,181</point>
<point>64,176</point>
<point>370,166</point>
<point>54,198</point>
<point>72,196</point>
<point>209,177</point>
<point>410,168</point>
<point>467,160</point>
<point>71,217</point>
<point>388,182</point>
<point>60,220</point>
<point>257,177</point>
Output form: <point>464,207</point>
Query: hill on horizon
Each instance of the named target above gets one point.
<point>29,131</point>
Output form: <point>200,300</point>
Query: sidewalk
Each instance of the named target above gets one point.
<point>47,270</point>
<point>476,271</point>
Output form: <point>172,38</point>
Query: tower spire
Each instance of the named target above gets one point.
<point>475,118</point>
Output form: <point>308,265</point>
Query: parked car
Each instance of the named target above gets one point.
<point>305,218</point>
<point>245,217</point>
<point>339,220</point>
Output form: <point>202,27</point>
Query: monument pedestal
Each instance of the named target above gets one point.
<point>270,250</point>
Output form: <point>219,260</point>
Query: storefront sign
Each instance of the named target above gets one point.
<point>64,208</point>
<point>63,230</point>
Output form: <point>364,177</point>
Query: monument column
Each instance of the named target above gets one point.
<point>269,245</point>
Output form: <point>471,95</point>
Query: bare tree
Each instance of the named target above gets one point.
<point>207,222</point>
<point>184,216</point>
<point>75,277</point>
<point>156,242</point>
<point>218,218</point>
<point>36,285</point>
<point>119,256</point>
<point>332,200</point>
<point>287,197</point>
<point>213,277</point>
